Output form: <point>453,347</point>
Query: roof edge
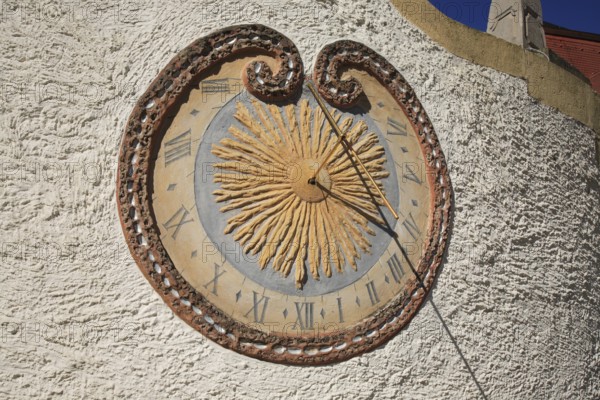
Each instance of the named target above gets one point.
<point>556,30</point>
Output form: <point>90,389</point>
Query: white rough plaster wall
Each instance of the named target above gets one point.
<point>514,313</point>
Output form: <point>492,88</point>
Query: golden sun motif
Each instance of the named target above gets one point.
<point>283,217</point>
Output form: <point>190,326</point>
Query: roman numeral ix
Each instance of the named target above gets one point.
<point>180,218</point>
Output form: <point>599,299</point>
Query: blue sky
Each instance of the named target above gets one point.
<point>579,15</point>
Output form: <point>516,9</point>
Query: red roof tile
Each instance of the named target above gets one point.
<point>582,54</point>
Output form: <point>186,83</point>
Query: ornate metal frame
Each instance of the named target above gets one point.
<point>140,228</point>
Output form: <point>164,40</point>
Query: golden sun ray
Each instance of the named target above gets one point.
<point>289,222</point>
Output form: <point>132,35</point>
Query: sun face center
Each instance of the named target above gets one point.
<point>301,174</point>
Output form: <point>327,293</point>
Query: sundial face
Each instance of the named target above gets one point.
<point>252,194</point>
<point>258,223</point>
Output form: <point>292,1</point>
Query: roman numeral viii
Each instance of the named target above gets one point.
<point>178,147</point>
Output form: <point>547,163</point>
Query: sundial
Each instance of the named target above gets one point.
<point>291,218</point>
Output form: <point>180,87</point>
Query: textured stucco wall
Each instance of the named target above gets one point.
<point>514,313</point>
